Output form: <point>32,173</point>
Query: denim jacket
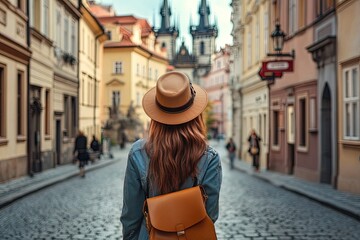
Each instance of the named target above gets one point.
<point>135,188</point>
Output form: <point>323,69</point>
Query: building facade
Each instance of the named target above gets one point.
<point>65,17</point>
<point>92,38</point>
<point>348,56</point>
<point>216,83</point>
<point>293,98</point>
<point>133,61</point>
<point>250,93</point>
<point>14,75</point>
<point>323,52</point>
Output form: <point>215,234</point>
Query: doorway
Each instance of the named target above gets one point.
<point>34,131</point>
<point>58,141</point>
<point>326,137</point>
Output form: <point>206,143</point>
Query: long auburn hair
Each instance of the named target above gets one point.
<point>174,152</point>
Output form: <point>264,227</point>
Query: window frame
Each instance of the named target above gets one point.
<point>351,100</point>
<point>20,107</point>
<point>3,102</point>
<point>302,148</point>
<point>118,65</point>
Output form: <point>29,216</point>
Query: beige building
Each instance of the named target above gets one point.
<point>14,62</point>
<point>65,100</point>
<point>132,63</point>
<point>252,37</point>
<point>348,52</point>
<point>92,37</point>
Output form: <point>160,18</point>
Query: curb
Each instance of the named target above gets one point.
<point>32,188</point>
<point>340,207</point>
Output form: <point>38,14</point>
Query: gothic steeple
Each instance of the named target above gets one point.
<point>165,13</point>
<point>204,12</point>
<point>204,23</point>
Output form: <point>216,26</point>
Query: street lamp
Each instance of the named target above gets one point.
<point>278,39</point>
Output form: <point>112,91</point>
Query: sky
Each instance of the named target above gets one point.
<point>182,12</point>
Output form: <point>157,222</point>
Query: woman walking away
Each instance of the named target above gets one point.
<point>254,149</point>
<point>82,153</point>
<point>174,155</point>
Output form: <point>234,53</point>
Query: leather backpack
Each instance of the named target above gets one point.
<point>179,215</point>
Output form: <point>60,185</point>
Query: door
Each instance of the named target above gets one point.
<point>326,137</point>
<point>34,131</point>
<point>58,141</point>
<point>291,138</point>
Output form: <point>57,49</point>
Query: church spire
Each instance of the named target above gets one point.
<point>165,13</point>
<point>204,12</point>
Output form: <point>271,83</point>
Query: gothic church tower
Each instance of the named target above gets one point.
<point>204,36</point>
<point>166,34</point>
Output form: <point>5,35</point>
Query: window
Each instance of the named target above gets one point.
<point>66,33</point>
<point>150,73</point>
<point>115,98</point>
<point>257,40</point>
<point>302,12</point>
<point>249,48</point>
<point>35,14</point>
<point>276,128</point>
<point>144,75</point>
<point>156,74</point>
<point>292,16</point>
<point>266,33</point>
<point>324,6</point>
<point>138,69</point>
<point>73,116</point>
<point>2,101</point>
<point>45,19</point>
<point>58,26</point>
<point>73,38</point>
<point>47,112</point>
<point>118,67</point>
<point>312,113</point>
<point>66,116</point>
<point>218,64</point>
<point>20,104</point>
<point>265,130</point>
<point>202,48</point>
<point>302,122</point>
<point>108,33</point>
<point>351,103</point>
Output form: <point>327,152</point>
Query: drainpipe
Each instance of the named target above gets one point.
<point>28,148</point>
<point>95,86</point>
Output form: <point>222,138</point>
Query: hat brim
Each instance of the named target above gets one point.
<point>154,112</point>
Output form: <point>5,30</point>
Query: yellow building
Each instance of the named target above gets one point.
<point>92,37</point>
<point>253,35</point>
<point>14,63</point>
<point>132,63</point>
<point>348,53</point>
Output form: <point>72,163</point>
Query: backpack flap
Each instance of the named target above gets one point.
<point>177,211</point>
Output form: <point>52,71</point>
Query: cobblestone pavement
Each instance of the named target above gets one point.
<point>249,209</point>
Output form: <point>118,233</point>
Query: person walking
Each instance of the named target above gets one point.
<point>174,156</point>
<point>95,147</point>
<point>254,149</point>
<point>231,148</point>
<point>81,152</point>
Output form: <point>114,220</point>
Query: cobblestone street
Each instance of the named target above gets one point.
<point>249,209</point>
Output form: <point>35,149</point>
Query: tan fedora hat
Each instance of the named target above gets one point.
<point>174,100</point>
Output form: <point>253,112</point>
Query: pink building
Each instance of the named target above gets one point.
<point>216,83</point>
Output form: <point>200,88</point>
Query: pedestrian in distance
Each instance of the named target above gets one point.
<point>231,149</point>
<point>174,156</point>
<point>81,152</point>
<point>254,149</point>
<point>95,147</point>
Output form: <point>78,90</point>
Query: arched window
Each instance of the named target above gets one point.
<point>163,45</point>
<point>202,48</point>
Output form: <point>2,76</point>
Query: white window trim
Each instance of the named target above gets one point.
<point>351,100</point>
<point>297,134</point>
<point>274,108</point>
<point>120,67</point>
